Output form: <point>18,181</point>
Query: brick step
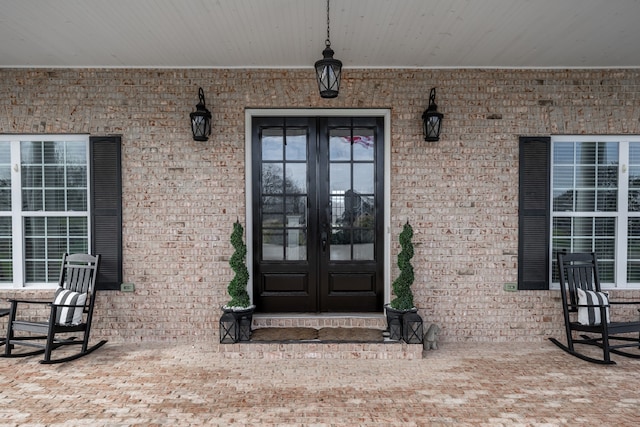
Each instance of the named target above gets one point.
<point>325,320</point>
<point>318,350</point>
<point>321,350</point>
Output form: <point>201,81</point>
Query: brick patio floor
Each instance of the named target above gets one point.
<point>456,385</point>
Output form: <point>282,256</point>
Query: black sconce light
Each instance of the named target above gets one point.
<point>201,120</point>
<point>328,70</point>
<point>432,119</point>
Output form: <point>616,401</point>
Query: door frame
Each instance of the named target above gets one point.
<point>314,112</point>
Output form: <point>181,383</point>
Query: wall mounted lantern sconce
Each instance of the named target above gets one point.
<point>432,119</point>
<point>328,70</point>
<point>201,120</point>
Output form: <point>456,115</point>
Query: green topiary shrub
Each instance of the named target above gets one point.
<point>402,285</point>
<point>238,286</point>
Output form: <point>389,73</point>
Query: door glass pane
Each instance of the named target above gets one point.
<point>363,140</point>
<point>272,244</point>
<point>296,178</point>
<point>339,144</point>
<point>339,177</point>
<point>363,178</point>
<point>363,245</point>
<point>296,243</point>
<point>340,244</point>
<point>272,144</point>
<point>272,178</point>
<point>296,147</point>
<point>284,194</point>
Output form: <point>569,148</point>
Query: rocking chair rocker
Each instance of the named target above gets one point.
<point>71,311</point>
<point>581,293</point>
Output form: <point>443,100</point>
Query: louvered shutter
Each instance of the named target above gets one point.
<point>534,213</point>
<point>106,209</point>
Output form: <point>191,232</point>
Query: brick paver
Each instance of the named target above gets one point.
<point>456,385</point>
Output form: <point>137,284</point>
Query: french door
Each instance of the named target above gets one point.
<point>318,216</point>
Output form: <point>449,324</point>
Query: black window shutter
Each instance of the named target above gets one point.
<point>534,213</point>
<point>106,209</point>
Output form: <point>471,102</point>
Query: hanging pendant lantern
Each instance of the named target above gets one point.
<point>432,120</point>
<point>201,120</point>
<point>328,69</point>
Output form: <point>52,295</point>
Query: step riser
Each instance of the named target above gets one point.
<point>280,351</point>
<point>317,322</point>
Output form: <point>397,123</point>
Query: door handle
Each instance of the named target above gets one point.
<point>323,237</point>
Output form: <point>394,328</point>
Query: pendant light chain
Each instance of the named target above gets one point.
<point>328,41</point>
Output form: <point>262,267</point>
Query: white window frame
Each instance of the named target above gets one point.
<point>621,216</point>
<point>18,215</point>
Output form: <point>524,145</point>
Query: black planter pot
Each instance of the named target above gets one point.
<point>235,325</point>
<point>394,322</point>
<point>404,325</point>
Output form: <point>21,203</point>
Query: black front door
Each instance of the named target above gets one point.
<point>318,214</point>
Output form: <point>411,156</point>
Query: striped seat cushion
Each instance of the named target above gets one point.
<point>591,315</point>
<point>68,316</point>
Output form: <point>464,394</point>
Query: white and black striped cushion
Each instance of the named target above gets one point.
<point>68,316</point>
<point>591,315</point>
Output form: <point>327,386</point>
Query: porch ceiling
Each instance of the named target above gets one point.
<point>291,33</point>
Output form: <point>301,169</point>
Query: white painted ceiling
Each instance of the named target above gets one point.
<point>291,33</point>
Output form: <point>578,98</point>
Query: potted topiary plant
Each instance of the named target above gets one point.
<point>403,301</point>
<point>235,323</point>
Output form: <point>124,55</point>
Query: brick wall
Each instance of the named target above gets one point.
<point>460,194</point>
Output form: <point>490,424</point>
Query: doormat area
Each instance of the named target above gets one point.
<point>317,335</point>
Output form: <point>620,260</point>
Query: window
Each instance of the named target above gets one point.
<point>58,193</point>
<point>595,205</point>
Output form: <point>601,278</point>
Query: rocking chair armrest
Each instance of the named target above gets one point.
<point>67,305</point>
<point>588,305</point>
<point>28,301</point>
<point>624,302</point>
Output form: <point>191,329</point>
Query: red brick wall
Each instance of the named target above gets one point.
<point>460,194</point>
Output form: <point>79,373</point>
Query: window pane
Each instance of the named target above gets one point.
<point>585,201</point>
<point>32,200</point>
<point>5,176</point>
<point>78,245</point>
<point>76,153</point>
<point>586,176</point>
<point>54,176</point>
<point>563,177</point>
<point>77,176</point>
<point>47,239</point>
<point>54,200</point>
<point>76,200</point>
<point>6,250</point>
<point>563,201</point>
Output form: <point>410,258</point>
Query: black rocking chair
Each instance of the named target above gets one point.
<point>3,312</point>
<point>71,312</point>
<point>581,294</point>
